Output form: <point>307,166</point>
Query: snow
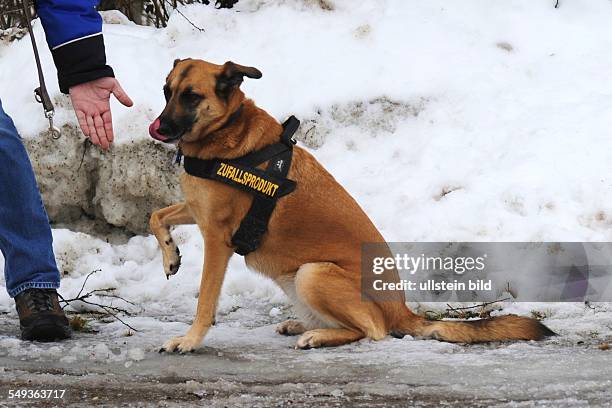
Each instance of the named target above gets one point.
<point>463,121</point>
<point>135,271</point>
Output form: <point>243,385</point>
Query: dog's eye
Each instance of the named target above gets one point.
<point>191,98</point>
<point>167,93</point>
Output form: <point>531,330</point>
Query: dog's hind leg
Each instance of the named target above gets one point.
<point>290,328</point>
<point>160,221</point>
<point>334,295</point>
<point>327,338</point>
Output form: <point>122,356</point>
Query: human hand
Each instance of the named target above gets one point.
<point>91,103</point>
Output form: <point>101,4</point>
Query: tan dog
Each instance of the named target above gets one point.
<point>312,248</point>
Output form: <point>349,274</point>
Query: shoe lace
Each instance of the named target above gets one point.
<point>39,300</point>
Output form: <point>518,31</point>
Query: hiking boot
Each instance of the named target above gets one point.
<point>40,315</point>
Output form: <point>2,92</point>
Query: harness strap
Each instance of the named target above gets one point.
<point>249,235</point>
<point>243,177</point>
<point>267,185</point>
<point>290,126</point>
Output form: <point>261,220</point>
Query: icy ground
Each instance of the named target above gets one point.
<point>244,363</point>
<point>474,120</point>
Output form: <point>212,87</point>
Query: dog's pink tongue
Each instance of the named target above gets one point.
<point>153,131</point>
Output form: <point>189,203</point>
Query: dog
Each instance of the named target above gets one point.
<point>313,243</point>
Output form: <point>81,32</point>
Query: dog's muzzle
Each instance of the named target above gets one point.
<point>154,131</point>
<point>157,132</point>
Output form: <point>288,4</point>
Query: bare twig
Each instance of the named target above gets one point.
<point>482,305</point>
<point>110,310</point>
<point>85,281</point>
<point>86,144</point>
<point>466,312</point>
<point>105,292</point>
<point>116,297</point>
<point>11,14</point>
<point>200,29</point>
<point>308,131</point>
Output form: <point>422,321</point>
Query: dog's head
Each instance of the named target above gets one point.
<point>200,98</point>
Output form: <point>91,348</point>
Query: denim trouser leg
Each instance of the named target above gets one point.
<point>25,235</point>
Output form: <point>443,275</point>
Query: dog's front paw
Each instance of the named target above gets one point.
<point>172,260</point>
<point>182,344</point>
<point>310,339</point>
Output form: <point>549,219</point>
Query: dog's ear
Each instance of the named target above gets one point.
<point>232,76</point>
<point>176,61</point>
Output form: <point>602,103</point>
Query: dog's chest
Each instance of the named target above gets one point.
<point>196,189</point>
<point>211,201</point>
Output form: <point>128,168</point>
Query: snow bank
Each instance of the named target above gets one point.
<point>506,105</point>
<point>134,271</point>
<point>447,121</point>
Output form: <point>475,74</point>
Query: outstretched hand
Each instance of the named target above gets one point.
<point>91,103</point>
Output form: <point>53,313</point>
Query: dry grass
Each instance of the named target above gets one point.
<point>79,324</point>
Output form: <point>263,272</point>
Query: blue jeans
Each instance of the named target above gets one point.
<point>25,234</point>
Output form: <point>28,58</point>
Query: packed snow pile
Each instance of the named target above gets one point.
<point>466,121</point>
<point>505,106</point>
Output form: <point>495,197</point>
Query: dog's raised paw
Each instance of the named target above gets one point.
<point>172,263</point>
<point>174,267</point>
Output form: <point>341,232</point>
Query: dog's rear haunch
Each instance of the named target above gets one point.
<point>313,242</point>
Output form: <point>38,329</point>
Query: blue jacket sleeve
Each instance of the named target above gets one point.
<point>74,34</point>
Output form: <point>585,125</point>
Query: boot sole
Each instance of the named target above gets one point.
<point>45,333</point>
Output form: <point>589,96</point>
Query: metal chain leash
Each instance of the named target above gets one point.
<point>41,94</point>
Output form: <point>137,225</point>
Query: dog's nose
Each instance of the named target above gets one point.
<point>164,128</point>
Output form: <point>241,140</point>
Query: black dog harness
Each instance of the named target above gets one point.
<point>267,186</point>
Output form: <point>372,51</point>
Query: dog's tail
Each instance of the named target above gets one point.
<point>500,328</point>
